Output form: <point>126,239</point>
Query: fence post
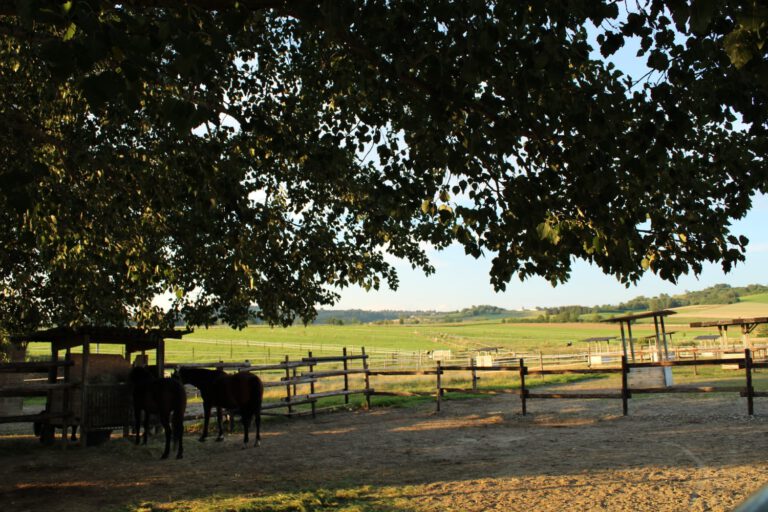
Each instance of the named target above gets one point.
<point>750,390</point>
<point>311,384</point>
<point>367,380</point>
<point>541,360</point>
<point>695,368</point>
<point>474,376</point>
<point>346,375</point>
<point>439,384</point>
<point>624,386</point>
<point>523,391</point>
<point>288,387</point>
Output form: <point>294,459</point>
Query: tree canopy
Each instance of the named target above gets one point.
<point>266,152</point>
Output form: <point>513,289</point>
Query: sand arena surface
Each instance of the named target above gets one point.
<point>674,452</point>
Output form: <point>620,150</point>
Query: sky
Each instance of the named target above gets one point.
<point>460,281</point>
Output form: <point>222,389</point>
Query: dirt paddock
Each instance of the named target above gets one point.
<point>675,452</point>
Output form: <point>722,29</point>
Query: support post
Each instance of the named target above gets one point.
<point>541,360</point>
<point>312,385</point>
<point>439,394</point>
<point>624,386</point>
<point>474,376</point>
<point>346,376</point>
<point>631,343</point>
<point>367,380</point>
<point>523,391</point>
<point>288,387</point>
<point>65,396</point>
<point>160,358</point>
<point>695,367</point>
<point>664,338</point>
<point>84,420</point>
<point>624,340</point>
<point>750,391</point>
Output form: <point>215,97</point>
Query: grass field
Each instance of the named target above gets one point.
<point>262,344</point>
<point>746,309</point>
<point>761,298</point>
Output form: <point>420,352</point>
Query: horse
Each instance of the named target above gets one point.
<point>241,391</point>
<point>161,396</point>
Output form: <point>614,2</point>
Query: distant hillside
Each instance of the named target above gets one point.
<point>357,316</point>
<point>691,302</point>
<point>718,294</point>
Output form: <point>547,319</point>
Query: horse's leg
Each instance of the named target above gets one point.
<point>178,427</point>
<point>206,419</point>
<point>146,426</point>
<point>165,418</point>
<point>218,421</point>
<point>137,416</point>
<point>247,416</point>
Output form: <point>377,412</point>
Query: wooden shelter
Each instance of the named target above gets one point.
<point>596,356</point>
<point>87,390</point>
<point>747,325</point>
<point>658,323</point>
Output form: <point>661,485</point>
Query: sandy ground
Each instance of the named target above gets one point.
<point>672,452</point>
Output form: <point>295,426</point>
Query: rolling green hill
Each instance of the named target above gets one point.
<point>761,298</point>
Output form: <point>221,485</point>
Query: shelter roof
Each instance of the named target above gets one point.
<point>653,336</point>
<point>638,316</point>
<point>598,339</point>
<point>132,337</point>
<point>733,321</point>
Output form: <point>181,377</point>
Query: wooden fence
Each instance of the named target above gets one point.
<point>624,393</point>
<point>301,378</point>
<point>300,386</point>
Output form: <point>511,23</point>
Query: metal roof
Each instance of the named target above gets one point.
<point>637,316</point>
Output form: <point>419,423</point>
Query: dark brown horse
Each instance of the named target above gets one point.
<point>163,397</point>
<point>241,391</point>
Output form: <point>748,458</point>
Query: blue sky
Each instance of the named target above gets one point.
<point>461,281</point>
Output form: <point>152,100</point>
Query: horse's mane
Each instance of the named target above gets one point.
<point>199,376</point>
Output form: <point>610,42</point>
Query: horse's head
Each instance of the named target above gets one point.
<point>140,374</point>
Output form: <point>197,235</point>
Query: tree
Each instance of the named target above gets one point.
<point>267,151</point>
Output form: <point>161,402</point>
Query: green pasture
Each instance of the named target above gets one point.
<point>761,298</point>
<point>263,344</point>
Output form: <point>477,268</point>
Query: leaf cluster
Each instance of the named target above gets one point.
<point>268,152</point>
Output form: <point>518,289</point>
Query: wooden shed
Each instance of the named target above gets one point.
<point>87,390</point>
<point>646,377</point>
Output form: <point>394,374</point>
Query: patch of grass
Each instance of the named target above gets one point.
<point>362,499</point>
<point>761,298</point>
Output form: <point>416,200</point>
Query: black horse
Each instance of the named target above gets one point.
<point>241,391</point>
<point>161,396</point>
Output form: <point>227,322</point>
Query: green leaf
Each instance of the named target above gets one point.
<point>70,33</point>
<point>702,12</point>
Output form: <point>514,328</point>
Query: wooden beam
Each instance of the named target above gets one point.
<point>34,389</point>
<point>689,389</point>
<point>575,395</point>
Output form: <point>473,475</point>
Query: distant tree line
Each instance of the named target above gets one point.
<point>717,294</point>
